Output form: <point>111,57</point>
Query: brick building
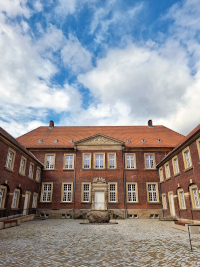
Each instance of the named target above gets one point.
<point>20,173</point>
<point>100,167</point>
<point>126,170</point>
<point>179,175</point>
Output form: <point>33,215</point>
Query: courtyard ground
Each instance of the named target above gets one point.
<point>55,242</point>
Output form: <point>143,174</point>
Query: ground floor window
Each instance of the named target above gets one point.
<point>86,188</point>
<point>35,196</point>
<point>3,191</point>
<point>194,193</point>
<point>132,192</point>
<point>15,199</point>
<point>164,201</point>
<point>46,194</point>
<point>152,192</point>
<point>112,194</point>
<point>66,192</point>
<point>181,199</point>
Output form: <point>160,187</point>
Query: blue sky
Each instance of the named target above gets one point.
<point>89,62</point>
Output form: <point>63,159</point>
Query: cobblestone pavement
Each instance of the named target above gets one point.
<point>68,243</point>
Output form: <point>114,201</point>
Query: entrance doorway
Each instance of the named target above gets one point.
<point>172,207</point>
<point>99,200</point>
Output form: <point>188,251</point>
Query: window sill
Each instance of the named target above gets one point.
<point>197,209</point>
<point>66,202</point>
<point>182,209</point>
<point>30,178</point>
<point>161,182</point>
<point>37,181</point>
<point>98,169</point>
<point>68,169</point>
<point>9,170</point>
<point>168,178</point>
<point>153,202</point>
<point>177,174</point>
<point>112,169</point>
<point>85,202</point>
<point>131,169</point>
<point>50,202</point>
<point>150,169</point>
<point>133,202</point>
<point>164,209</point>
<point>49,169</point>
<point>188,169</point>
<point>22,174</point>
<point>113,202</point>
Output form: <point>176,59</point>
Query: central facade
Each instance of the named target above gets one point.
<point>100,168</point>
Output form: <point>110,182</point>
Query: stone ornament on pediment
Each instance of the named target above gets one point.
<point>99,180</point>
<point>100,140</point>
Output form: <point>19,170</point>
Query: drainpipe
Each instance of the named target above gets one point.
<point>75,149</point>
<point>39,191</point>
<point>123,147</point>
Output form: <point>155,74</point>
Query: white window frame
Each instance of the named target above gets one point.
<point>194,193</point>
<point>84,192</point>
<point>112,193</point>
<point>3,190</point>
<point>130,163</point>
<point>45,192</point>
<point>31,170</point>
<point>131,194</point>
<point>84,160</point>
<point>175,165</point>
<point>151,192</point>
<point>164,201</point>
<point>181,199</point>
<point>99,163</point>
<point>67,192</point>
<point>15,199</point>
<point>149,161</point>
<point>161,174</point>
<point>10,159</point>
<point>167,171</point>
<point>68,163</point>
<point>35,197</point>
<point>22,167</point>
<point>50,161</point>
<point>38,174</point>
<point>187,158</point>
<point>111,166</point>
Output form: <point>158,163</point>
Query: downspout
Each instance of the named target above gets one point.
<point>123,147</point>
<point>75,149</point>
<point>39,191</point>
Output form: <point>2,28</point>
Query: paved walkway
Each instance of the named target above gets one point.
<point>69,243</point>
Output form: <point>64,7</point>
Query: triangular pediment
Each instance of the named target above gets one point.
<point>99,139</point>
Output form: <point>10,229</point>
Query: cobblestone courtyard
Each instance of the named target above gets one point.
<point>69,243</point>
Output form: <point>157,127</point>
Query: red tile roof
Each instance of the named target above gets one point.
<point>181,143</point>
<point>168,137</point>
<point>17,144</point>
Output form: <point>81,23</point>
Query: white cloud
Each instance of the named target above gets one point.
<point>14,8</point>
<point>66,7</point>
<point>75,56</point>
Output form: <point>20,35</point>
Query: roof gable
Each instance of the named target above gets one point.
<point>99,139</point>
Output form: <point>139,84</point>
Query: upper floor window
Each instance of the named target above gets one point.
<point>187,158</point>
<point>161,175</point>
<point>46,194</point>
<point>130,160</point>
<point>149,161</point>
<point>86,161</point>
<point>50,161</point>
<point>112,161</point>
<point>99,161</point>
<point>38,171</point>
<point>152,189</point>
<point>198,146</point>
<point>68,161</point>
<point>22,166</point>
<point>10,159</point>
<point>175,165</point>
<point>167,171</point>
<point>30,173</point>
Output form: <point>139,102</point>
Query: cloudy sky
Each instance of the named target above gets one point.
<point>108,62</point>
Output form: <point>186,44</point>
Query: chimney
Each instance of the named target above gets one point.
<point>51,124</point>
<point>150,123</point>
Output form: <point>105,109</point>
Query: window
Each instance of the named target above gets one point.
<point>15,199</point>
<point>35,196</point>
<point>46,194</point>
<point>187,158</point>
<point>50,161</point>
<point>198,146</point>
<point>112,194</point>
<point>22,166</point>
<point>3,192</point>
<point>149,161</point>
<point>132,192</point>
<point>161,175</point>
<point>181,199</point>
<point>30,173</point>
<point>112,160</point>
<point>38,171</point>
<point>164,201</point>
<point>86,161</point>
<point>67,189</point>
<point>194,193</point>
<point>99,161</point>
<point>152,192</point>
<point>167,171</point>
<point>68,162</point>
<point>10,159</point>
<point>175,165</point>
<point>130,160</point>
<point>86,192</point>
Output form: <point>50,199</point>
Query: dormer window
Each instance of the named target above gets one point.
<point>56,141</point>
<point>143,141</point>
<point>159,140</point>
<point>128,140</point>
<point>71,141</point>
<point>40,141</point>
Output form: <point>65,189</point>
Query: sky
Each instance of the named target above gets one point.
<point>108,62</point>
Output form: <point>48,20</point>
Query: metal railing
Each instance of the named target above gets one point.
<point>190,234</point>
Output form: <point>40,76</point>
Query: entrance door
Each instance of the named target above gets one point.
<point>99,200</point>
<point>25,211</point>
<point>172,208</point>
